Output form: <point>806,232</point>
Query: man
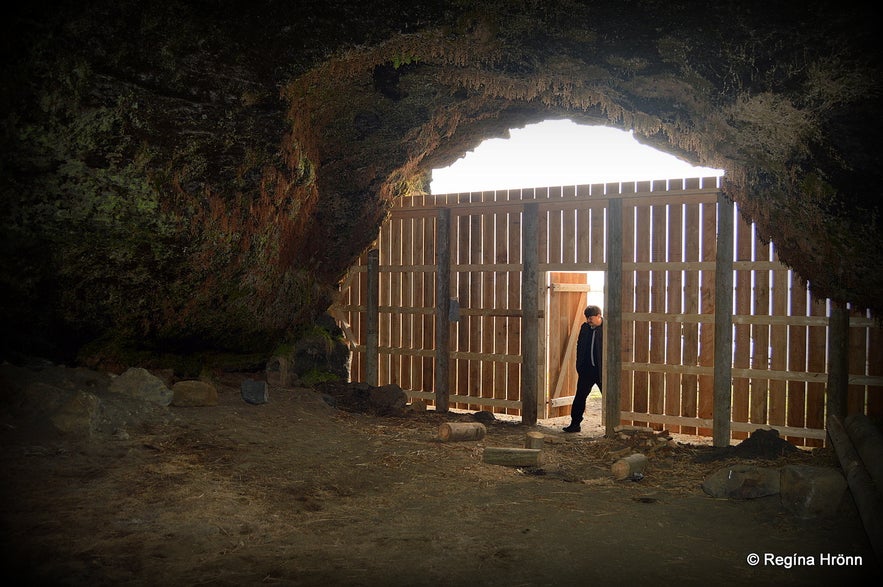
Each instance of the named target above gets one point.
<point>589,348</point>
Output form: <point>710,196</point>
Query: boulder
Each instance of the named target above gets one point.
<point>742,482</point>
<point>140,384</point>
<point>79,415</point>
<point>194,393</point>
<point>812,492</point>
<point>387,399</point>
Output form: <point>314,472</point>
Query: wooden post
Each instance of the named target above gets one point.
<point>838,361</point>
<point>529,312</point>
<point>723,324</point>
<point>442,308</point>
<point>612,365</point>
<point>372,318</point>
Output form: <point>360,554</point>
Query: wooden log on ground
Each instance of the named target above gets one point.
<point>867,498</point>
<point>452,431</point>
<point>513,457</point>
<point>628,466</point>
<point>534,439</point>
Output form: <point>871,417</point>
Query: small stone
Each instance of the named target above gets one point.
<point>254,392</point>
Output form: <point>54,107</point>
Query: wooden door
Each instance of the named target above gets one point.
<point>567,302</point>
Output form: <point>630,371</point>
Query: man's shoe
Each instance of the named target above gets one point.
<point>572,428</point>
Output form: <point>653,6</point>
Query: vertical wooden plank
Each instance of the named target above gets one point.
<point>626,243</point>
<point>723,323</point>
<point>742,340</point>
<point>372,318</point>
<point>796,404</point>
<point>874,407</point>
<point>583,234</point>
<point>641,382</point>
<point>690,382</point>
<point>674,307</point>
<point>474,321</point>
<point>514,371</point>
<point>838,361</point>
<point>418,320</point>
<point>395,301</point>
<point>442,309</point>
<point>778,405</point>
<point>598,237</point>
<point>760,336</point>
<point>856,398</point>
<point>488,296</point>
<point>427,362</point>
<point>529,308</point>
<point>501,301</point>
<point>816,363</point>
<point>658,286</point>
<point>613,331</point>
<point>406,303</point>
<point>464,286</point>
<point>707,308</point>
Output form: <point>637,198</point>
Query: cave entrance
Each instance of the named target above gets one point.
<point>453,302</point>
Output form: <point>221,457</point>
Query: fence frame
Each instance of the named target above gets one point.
<point>457,285</point>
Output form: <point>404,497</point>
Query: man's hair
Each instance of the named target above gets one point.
<point>592,311</point>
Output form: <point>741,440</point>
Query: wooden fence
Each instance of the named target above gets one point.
<point>669,249</point>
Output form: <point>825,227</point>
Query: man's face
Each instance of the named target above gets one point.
<point>594,320</point>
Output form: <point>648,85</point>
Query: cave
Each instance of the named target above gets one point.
<point>186,186</point>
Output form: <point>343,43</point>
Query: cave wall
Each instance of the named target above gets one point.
<point>188,176</point>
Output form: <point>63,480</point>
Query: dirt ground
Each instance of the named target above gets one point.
<point>297,492</point>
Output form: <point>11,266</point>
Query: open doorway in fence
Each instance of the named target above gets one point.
<point>568,294</point>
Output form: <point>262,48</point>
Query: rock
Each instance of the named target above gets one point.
<point>387,399</point>
<point>812,492</point>
<point>141,384</point>
<point>279,372</point>
<point>254,392</point>
<point>484,416</point>
<point>79,415</point>
<point>417,406</point>
<point>194,393</point>
<point>742,482</point>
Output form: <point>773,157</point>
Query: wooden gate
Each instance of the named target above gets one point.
<point>491,261</point>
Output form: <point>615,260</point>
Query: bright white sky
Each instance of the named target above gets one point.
<point>560,152</point>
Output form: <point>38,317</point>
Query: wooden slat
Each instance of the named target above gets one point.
<point>705,406</point>
<point>816,361</point>
<point>658,240</point>
<point>627,298</point>
<point>674,308</point>
<point>501,302</point>
<point>778,404</point>
<point>513,375</point>
<point>796,408</point>
<point>474,322</point>
<point>760,337</point>
<point>488,299</point>
<point>742,332</point>
<point>690,382</point>
<point>641,382</point>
